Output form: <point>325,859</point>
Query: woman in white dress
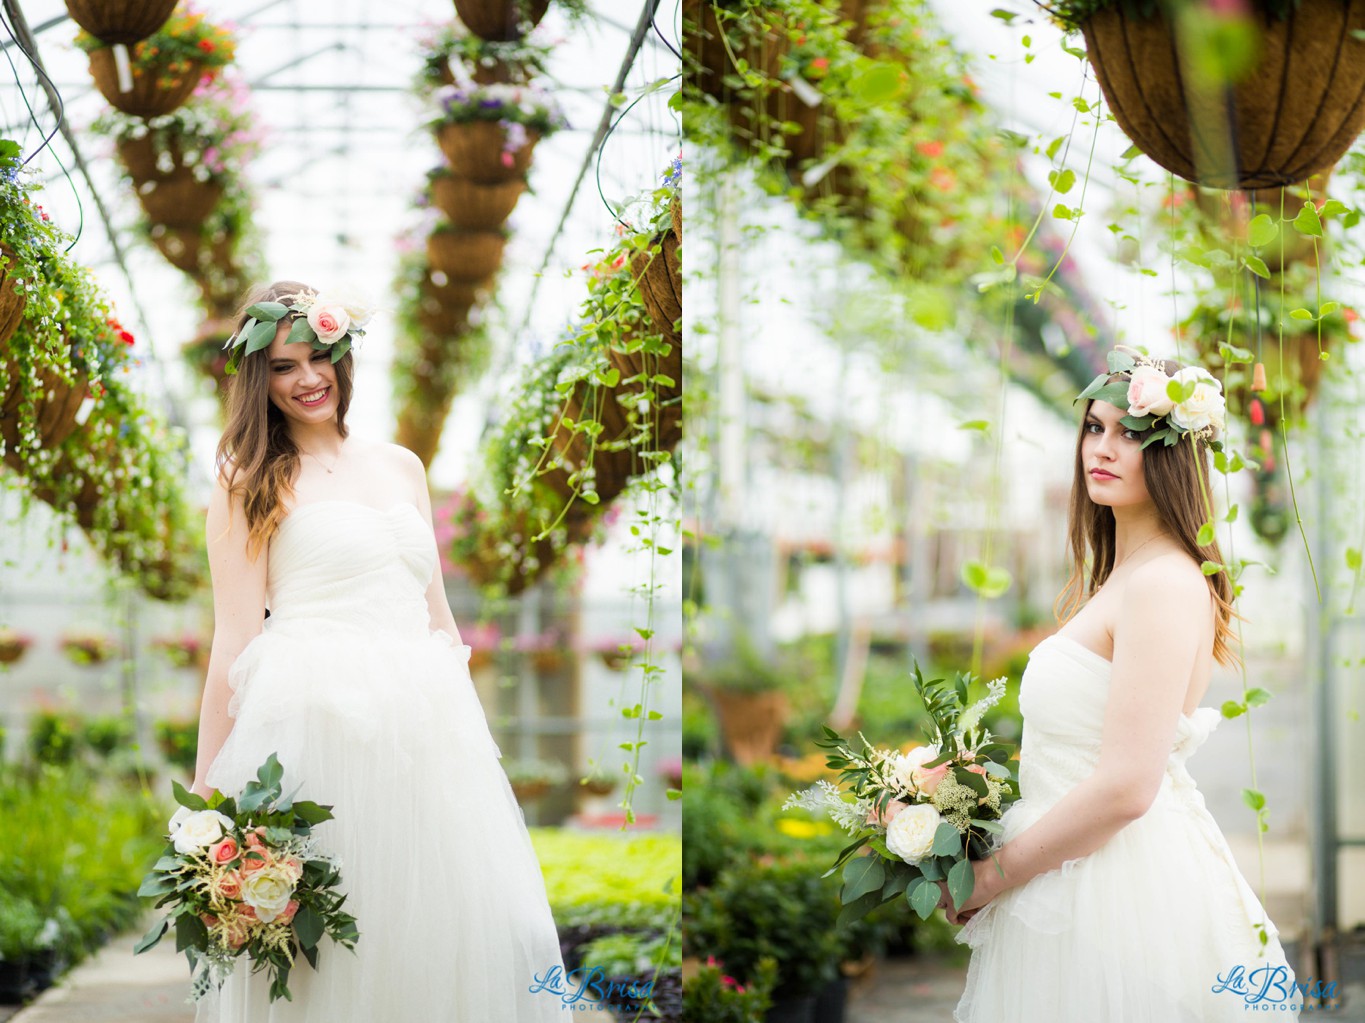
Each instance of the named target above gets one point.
<point>1113,896</point>
<point>359,681</point>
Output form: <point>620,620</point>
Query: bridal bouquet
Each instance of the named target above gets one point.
<point>242,877</point>
<point>925,814</point>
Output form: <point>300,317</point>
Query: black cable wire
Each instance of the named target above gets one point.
<point>60,113</point>
<point>654,23</point>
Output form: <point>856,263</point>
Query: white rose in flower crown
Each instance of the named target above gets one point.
<point>330,322</point>
<point>201,829</point>
<point>910,835</point>
<point>1206,407</point>
<point>268,891</point>
<point>1147,392</point>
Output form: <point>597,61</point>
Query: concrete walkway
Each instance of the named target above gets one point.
<point>115,986</point>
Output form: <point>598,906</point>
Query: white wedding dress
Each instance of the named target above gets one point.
<point>1147,928</point>
<point>373,713</point>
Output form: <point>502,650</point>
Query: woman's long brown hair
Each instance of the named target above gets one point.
<point>1179,488</point>
<point>256,456</point>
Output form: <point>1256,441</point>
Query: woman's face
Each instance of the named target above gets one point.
<point>299,371</point>
<point>1111,458</point>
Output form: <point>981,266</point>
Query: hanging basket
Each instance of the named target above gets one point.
<point>465,255</point>
<point>501,20</point>
<point>180,200</point>
<point>120,21</point>
<point>498,72</point>
<point>474,150</point>
<point>1293,116</point>
<point>456,294</point>
<point>470,206</point>
<point>659,278</point>
<point>12,300</point>
<point>155,91</point>
<point>57,406</point>
<point>1232,212</point>
<point>443,321</point>
<point>141,158</point>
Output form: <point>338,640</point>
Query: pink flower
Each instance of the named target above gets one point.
<point>1147,392</point>
<point>892,808</point>
<point>977,769</point>
<point>225,851</point>
<point>289,911</point>
<point>230,885</point>
<point>926,779</point>
<point>329,322</point>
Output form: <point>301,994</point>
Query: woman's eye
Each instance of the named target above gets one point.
<point>1131,435</point>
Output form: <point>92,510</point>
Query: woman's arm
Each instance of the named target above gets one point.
<point>238,617</point>
<point>1163,621</point>
<point>438,606</point>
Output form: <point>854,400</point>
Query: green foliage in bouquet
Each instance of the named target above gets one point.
<point>925,815</point>
<point>212,923</point>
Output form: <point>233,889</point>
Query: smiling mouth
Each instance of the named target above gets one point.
<point>315,398</point>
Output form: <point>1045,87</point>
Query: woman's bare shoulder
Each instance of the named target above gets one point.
<point>1174,579</point>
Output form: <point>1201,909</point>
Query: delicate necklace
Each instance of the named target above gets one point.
<point>321,462</point>
<point>1141,545</point>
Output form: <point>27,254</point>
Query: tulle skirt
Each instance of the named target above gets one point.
<point>449,900</point>
<point>1156,926</point>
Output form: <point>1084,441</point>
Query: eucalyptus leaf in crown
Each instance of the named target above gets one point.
<point>325,322</point>
<point>1163,406</point>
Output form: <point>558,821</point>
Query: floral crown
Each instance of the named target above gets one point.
<point>1162,405</point>
<point>324,322</point>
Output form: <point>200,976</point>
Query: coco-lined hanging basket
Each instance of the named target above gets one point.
<point>1294,115</point>
<point>156,90</point>
<point>179,200</point>
<point>471,206</point>
<point>455,294</point>
<point>659,278</point>
<point>120,21</point>
<point>143,159</point>
<point>465,255</point>
<point>12,300</point>
<point>480,151</point>
<point>55,409</point>
<point>501,20</point>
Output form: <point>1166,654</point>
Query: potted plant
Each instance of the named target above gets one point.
<point>54,737</point>
<point>488,132</point>
<point>186,650</point>
<point>165,68</point>
<point>88,645</point>
<point>749,697</point>
<point>783,910</point>
<point>670,770</point>
<point>465,255</point>
<point>532,778</point>
<point>617,652</point>
<point>452,53</point>
<point>13,644</point>
<point>711,994</point>
<point>117,21</point>
<point>598,782</point>
<point>471,206</point>
<point>106,735</point>
<point>20,924</point>
<point>547,650</point>
<point>178,740</point>
<point>501,19</point>
<point>1284,107</point>
<point>11,295</point>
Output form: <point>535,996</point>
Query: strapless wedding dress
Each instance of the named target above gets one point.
<point>1156,926</point>
<point>374,713</point>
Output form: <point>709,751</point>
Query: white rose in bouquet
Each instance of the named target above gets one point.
<point>200,829</point>
<point>268,891</point>
<point>910,835</point>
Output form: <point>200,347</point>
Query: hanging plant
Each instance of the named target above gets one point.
<point>11,295</point>
<point>120,21</point>
<point>471,206</point>
<point>451,53</point>
<point>501,19</point>
<point>165,68</point>
<point>86,646</point>
<point>205,352</point>
<point>183,651</point>
<point>487,133</point>
<point>465,255</point>
<point>1262,97</point>
<point>13,644</point>
<point>531,778</point>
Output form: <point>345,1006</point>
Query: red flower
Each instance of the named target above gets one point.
<point>820,64</point>
<point>206,45</point>
<point>125,337</point>
<point>933,150</point>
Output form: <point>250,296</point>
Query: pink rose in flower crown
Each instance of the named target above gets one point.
<point>330,322</point>
<point>225,851</point>
<point>1147,392</point>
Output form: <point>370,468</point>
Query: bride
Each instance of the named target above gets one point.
<point>359,681</point>
<point>1116,898</point>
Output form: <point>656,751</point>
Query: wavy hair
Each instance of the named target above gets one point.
<point>1178,482</point>
<point>256,456</point>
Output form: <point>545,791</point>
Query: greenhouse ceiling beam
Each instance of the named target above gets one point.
<point>28,46</point>
<point>50,23</point>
